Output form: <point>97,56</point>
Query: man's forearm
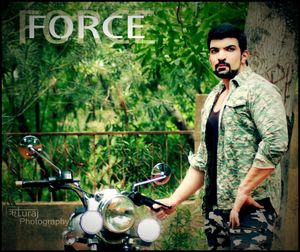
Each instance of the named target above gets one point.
<point>192,181</point>
<point>253,178</point>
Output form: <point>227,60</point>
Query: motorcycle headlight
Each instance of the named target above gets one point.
<point>91,222</point>
<point>118,214</point>
<point>148,229</point>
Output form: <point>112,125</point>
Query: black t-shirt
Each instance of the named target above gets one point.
<point>211,139</point>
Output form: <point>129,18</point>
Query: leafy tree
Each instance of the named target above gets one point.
<point>109,86</point>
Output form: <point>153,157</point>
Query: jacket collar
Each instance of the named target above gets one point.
<point>241,78</point>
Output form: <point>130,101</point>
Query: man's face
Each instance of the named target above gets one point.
<point>226,58</point>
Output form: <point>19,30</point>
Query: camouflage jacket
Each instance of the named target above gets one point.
<point>252,133</point>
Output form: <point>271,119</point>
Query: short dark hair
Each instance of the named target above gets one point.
<point>227,30</point>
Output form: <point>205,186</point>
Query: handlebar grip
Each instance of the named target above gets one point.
<point>19,184</point>
<point>139,200</point>
<point>51,181</point>
<point>26,184</point>
<point>162,206</point>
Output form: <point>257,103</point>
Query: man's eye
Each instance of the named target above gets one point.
<point>230,49</point>
<point>213,51</point>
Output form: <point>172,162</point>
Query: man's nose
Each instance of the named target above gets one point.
<point>221,55</point>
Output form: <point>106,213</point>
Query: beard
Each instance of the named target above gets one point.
<point>230,74</point>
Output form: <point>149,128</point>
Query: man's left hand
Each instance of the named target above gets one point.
<point>241,200</point>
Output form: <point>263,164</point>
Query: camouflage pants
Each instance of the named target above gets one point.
<point>254,233</point>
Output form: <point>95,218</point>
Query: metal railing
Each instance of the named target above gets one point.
<point>97,157</point>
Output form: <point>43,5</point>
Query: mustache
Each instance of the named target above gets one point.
<point>222,62</point>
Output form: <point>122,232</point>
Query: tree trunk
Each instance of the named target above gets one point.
<point>180,122</point>
<point>272,32</point>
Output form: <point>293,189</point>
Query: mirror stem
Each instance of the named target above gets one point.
<point>43,157</point>
<point>147,181</point>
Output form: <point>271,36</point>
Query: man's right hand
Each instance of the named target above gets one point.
<point>193,181</point>
<point>164,212</point>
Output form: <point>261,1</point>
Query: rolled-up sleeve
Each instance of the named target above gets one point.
<point>269,115</point>
<point>196,160</point>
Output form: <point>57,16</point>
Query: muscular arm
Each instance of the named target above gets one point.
<point>270,119</point>
<point>192,181</point>
<point>253,178</point>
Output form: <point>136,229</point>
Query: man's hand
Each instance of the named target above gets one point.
<point>242,199</point>
<point>164,212</point>
<point>193,181</point>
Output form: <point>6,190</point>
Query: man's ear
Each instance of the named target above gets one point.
<point>245,56</point>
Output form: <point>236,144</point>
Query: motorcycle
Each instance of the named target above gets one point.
<point>107,218</point>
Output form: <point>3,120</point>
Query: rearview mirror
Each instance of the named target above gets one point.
<point>28,147</point>
<point>161,170</point>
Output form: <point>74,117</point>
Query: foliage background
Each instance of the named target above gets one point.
<point>110,86</point>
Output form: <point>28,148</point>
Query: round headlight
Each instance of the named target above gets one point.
<point>91,222</point>
<point>148,230</point>
<point>118,214</point>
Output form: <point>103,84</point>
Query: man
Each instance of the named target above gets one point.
<point>243,138</point>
